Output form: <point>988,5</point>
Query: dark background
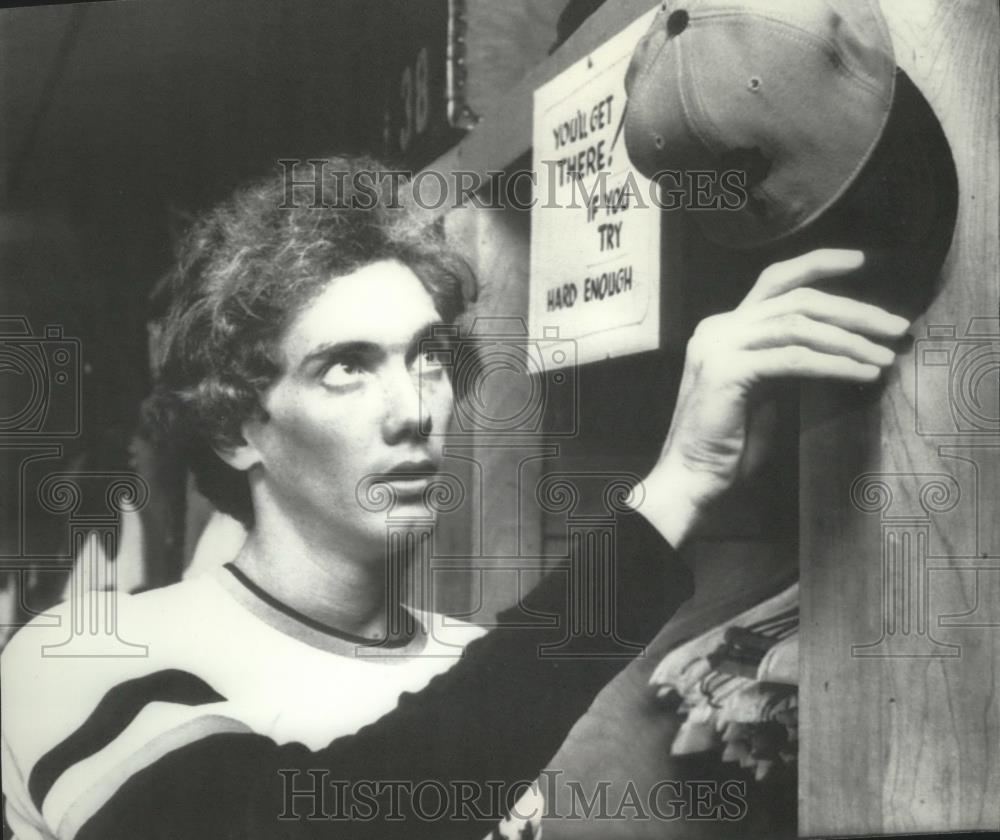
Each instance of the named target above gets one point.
<point>119,121</point>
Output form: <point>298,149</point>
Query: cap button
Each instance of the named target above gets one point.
<point>677,23</point>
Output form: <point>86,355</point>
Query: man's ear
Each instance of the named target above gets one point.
<point>241,455</point>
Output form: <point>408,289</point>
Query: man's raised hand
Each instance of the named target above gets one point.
<point>783,328</point>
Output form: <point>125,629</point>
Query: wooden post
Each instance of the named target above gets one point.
<point>900,537</point>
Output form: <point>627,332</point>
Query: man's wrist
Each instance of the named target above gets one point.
<point>666,503</point>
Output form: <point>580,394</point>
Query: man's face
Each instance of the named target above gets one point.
<point>351,402</point>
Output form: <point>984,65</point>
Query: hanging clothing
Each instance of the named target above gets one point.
<point>736,686</point>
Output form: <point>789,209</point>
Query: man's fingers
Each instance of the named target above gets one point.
<point>804,363</point>
<point>809,268</point>
<point>834,309</point>
<point>800,330</point>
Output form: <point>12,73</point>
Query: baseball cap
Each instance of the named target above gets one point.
<point>796,94</point>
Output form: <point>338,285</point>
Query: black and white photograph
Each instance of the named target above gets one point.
<point>499,419</point>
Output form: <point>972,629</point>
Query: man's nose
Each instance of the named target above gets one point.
<point>406,408</point>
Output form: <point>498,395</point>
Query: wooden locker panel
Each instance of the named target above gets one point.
<point>499,462</point>
<point>503,41</point>
<point>900,537</point>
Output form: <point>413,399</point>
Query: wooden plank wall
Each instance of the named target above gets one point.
<point>499,470</point>
<point>900,543</point>
<point>503,42</point>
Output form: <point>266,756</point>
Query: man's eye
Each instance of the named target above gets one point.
<point>341,374</point>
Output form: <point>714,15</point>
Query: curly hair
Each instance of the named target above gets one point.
<point>243,273</point>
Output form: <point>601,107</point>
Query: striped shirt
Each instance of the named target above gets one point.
<point>217,705</point>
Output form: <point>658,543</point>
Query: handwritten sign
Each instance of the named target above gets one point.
<point>595,235</point>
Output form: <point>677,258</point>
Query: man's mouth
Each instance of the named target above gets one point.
<point>410,478</point>
<point>425,467</point>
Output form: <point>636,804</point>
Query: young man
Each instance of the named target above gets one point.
<point>280,696</point>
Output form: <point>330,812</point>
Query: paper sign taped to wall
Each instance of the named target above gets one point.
<point>595,232</point>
